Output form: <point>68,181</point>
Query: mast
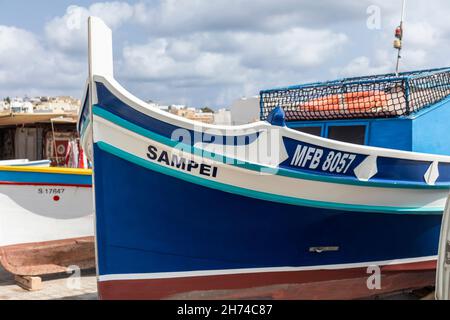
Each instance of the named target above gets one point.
<point>399,37</point>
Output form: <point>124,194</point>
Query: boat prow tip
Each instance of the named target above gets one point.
<point>100,48</point>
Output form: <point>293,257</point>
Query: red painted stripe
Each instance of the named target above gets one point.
<point>317,284</point>
<point>424,265</point>
<point>44,184</point>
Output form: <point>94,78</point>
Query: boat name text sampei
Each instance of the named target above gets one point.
<point>180,162</point>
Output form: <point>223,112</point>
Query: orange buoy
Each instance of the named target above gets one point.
<point>353,102</point>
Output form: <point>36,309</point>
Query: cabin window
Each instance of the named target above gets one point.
<point>317,131</point>
<point>352,134</point>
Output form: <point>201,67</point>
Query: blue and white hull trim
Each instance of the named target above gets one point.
<point>191,210</point>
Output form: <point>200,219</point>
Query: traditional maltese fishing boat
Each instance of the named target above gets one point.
<point>339,180</point>
<point>46,219</point>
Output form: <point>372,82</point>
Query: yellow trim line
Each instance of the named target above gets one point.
<point>86,172</point>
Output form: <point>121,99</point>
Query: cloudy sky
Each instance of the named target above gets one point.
<point>210,52</point>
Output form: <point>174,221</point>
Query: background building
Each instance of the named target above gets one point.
<point>245,110</point>
<point>222,117</point>
<point>192,113</point>
<point>39,128</point>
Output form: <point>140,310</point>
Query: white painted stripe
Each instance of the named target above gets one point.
<point>137,145</point>
<point>145,108</point>
<point>205,273</point>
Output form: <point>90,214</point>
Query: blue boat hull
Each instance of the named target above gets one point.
<point>185,209</point>
<point>165,225</point>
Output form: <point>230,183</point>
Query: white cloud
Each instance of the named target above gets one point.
<point>55,63</point>
<point>381,62</point>
<point>196,57</point>
<point>425,43</point>
<point>357,66</point>
<point>226,63</point>
<point>24,62</point>
<point>162,60</point>
<point>210,52</point>
<point>171,17</point>
<point>294,48</point>
<point>422,35</point>
<point>69,32</point>
<point>416,59</point>
<point>15,43</point>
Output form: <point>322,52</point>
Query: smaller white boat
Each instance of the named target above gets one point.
<point>46,219</point>
<point>25,163</point>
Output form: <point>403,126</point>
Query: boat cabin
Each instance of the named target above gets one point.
<point>409,111</point>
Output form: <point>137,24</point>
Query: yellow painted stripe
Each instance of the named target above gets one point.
<point>86,172</point>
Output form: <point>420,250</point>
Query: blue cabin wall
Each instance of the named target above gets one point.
<point>427,131</point>
<point>386,133</point>
<point>431,129</point>
<point>391,133</point>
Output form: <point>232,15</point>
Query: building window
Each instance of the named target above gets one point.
<point>351,134</point>
<point>317,131</point>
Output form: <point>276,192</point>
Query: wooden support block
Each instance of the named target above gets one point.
<point>29,283</point>
<point>430,296</point>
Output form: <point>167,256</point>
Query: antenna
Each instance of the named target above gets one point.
<point>399,37</point>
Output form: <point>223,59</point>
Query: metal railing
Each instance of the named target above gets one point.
<point>378,96</point>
